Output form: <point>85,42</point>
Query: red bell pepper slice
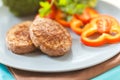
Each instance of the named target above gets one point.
<point>107,27</point>
<point>60,18</point>
<point>76,25</point>
<point>87,15</point>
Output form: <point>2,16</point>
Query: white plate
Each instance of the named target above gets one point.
<point>79,57</point>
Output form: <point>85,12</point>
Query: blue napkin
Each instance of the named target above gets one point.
<point>5,74</point>
<point>113,74</point>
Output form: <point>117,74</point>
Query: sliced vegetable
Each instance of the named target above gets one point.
<point>101,30</point>
<point>63,10</point>
<point>60,18</point>
<point>76,25</point>
<point>87,15</point>
<point>78,22</point>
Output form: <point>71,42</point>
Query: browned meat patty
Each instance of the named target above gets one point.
<point>50,37</point>
<point>18,38</point>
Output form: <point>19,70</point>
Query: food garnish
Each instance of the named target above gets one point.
<point>69,7</point>
<point>101,30</point>
<point>80,20</point>
<point>81,17</point>
<point>63,10</point>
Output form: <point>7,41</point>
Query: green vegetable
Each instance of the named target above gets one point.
<point>22,7</point>
<point>74,6</point>
<point>45,8</point>
<point>69,7</point>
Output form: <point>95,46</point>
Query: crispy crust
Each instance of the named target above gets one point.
<point>18,38</point>
<point>50,37</point>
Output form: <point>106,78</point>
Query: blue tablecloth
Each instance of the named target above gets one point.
<point>113,74</point>
<point>5,74</point>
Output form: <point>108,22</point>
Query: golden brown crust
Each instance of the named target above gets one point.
<point>18,38</point>
<point>50,37</point>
